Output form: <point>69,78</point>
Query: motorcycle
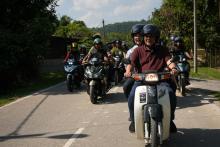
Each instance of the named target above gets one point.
<point>152,110</point>
<point>119,69</point>
<point>73,77</point>
<point>96,78</point>
<point>183,67</point>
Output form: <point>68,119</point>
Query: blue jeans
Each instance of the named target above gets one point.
<point>131,99</point>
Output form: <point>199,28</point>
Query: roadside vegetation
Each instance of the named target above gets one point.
<point>45,80</point>
<point>206,73</point>
<point>216,94</point>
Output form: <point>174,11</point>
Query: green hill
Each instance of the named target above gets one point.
<point>122,27</point>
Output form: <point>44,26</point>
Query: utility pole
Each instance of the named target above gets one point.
<point>103,25</point>
<point>195,37</point>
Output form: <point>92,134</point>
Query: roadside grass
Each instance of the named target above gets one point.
<point>45,80</point>
<point>216,94</point>
<point>206,73</point>
<point>210,74</point>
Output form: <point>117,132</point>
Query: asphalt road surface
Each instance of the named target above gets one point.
<point>57,118</point>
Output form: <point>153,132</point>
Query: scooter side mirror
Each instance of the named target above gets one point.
<point>126,61</point>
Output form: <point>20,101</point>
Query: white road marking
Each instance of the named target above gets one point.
<point>73,138</point>
<point>26,97</point>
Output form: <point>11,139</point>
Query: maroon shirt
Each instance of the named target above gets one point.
<point>155,59</point>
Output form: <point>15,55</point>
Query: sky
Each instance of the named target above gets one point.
<point>92,12</point>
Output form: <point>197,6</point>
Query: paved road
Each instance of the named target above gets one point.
<point>57,118</point>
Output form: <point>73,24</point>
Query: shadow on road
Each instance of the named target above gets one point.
<point>112,98</point>
<point>63,90</point>
<point>196,97</point>
<point>195,137</point>
<point>43,135</point>
<point>20,126</point>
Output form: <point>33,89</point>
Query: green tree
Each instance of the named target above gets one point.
<point>74,29</point>
<point>65,20</point>
<point>176,17</point>
<point>25,29</point>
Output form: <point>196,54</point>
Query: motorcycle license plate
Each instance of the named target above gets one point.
<point>142,97</point>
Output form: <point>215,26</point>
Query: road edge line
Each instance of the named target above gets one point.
<point>33,94</point>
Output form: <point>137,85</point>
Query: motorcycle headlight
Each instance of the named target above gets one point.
<point>88,71</point>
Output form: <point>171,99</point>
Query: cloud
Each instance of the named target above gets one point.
<point>89,4</point>
<point>134,8</point>
<point>92,18</point>
<point>60,2</point>
<point>93,11</point>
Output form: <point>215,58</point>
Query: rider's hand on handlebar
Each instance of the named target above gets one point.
<point>127,74</point>
<point>84,62</point>
<point>174,71</point>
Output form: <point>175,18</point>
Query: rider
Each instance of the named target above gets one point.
<point>136,31</point>
<point>179,49</point>
<point>83,52</point>
<point>117,49</point>
<point>96,48</point>
<point>73,52</point>
<point>151,57</point>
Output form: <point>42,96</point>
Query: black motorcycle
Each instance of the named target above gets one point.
<point>73,74</point>
<point>96,78</point>
<point>119,69</point>
<point>183,67</point>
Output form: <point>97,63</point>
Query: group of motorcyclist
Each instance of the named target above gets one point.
<point>146,54</point>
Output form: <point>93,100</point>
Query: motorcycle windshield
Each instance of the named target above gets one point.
<point>183,67</point>
<point>94,72</point>
<point>70,68</point>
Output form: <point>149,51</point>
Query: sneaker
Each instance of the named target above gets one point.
<point>132,127</point>
<point>173,128</point>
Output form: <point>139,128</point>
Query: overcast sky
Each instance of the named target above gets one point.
<point>92,12</point>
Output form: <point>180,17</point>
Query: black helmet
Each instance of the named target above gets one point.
<point>137,28</point>
<point>151,29</point>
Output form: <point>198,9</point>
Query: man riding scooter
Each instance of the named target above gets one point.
<point>151,57</point>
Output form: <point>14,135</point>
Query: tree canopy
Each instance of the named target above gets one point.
<point>176,17</point>
<point>25,28</point>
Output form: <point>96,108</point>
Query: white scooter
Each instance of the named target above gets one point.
<point>152,107</point>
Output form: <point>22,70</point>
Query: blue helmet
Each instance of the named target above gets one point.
<point>137,28</point>
<point>151,29</point>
